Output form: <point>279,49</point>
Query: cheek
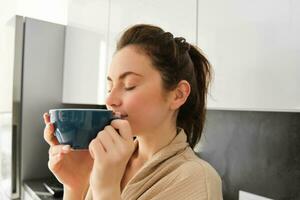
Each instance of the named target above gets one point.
<point>145,108</point>
<point>143,102</point>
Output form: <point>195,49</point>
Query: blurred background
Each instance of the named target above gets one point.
<point>55,54</point>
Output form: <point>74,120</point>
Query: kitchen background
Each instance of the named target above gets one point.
<point>57,56</point>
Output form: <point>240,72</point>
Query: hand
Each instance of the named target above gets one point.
<point>111,152</point>
<point>71,168</point>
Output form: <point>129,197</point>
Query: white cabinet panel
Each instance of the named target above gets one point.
<point>254,47</point>
<point>177,17</point>
<point>86,52</point>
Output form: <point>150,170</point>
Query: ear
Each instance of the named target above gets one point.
<point>180,94</point>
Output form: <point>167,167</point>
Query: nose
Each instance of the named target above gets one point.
<point>113,99</point>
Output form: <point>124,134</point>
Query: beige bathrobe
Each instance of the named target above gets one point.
<point>174,173</point>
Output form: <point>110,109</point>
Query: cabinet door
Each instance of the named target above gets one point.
<point>177,17</point>
<point>254,49</point>
<point>86,52</point>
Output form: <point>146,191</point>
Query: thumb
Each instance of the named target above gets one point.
<point>91,152</point>
<point>96,149</point>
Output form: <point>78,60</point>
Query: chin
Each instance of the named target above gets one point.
<point>135,128</point>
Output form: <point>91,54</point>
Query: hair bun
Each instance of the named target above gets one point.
<point>182,44</point>
<point>168,36</point>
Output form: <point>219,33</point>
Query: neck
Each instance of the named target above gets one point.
<point>150,143</point>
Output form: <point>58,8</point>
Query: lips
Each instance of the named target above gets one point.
<point>120,114</point>
<point>123,116</point>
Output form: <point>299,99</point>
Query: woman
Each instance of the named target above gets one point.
<point>158,85</point>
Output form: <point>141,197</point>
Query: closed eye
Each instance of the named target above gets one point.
<point>130,88</point>
<point>126,88</point>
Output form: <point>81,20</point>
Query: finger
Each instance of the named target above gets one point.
<point>46,117</point>
<point>54,162</point>
<point>116,138</point>
<point>49,135</point>
<point>49,131</point>
<point>96,149</point>
<point>57,149</point>
<point>123,127</point>
<point>106,140</point>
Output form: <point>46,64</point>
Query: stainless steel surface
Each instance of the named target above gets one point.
<point>42,90</point>
<point>17,107</point>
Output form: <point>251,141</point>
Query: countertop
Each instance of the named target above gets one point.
<point>37,190</point>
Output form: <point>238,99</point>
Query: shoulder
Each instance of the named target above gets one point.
<point>200,173</point>
<point>191,165</point>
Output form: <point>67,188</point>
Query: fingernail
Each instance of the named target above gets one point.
<point>66,147</point>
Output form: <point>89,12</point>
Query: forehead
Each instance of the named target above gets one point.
<point>130,58</point>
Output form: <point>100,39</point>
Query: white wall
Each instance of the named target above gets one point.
<point>47,10</point>
<point>7,9</point>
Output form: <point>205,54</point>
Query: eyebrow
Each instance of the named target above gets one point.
<point>122,76</point>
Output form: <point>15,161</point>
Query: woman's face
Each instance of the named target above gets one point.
<point>135,90</point>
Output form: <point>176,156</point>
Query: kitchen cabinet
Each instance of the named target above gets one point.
<point>177,17</point>
<point>93,30</point>
<point>254,54</point>
<point>254,49</point>
<point>86,52</point>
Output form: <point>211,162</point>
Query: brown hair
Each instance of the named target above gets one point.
<point>176,60</point>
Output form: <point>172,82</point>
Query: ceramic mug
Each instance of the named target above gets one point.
<point>78,127</point>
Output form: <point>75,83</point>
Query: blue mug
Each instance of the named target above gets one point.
<point>78,127</point>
